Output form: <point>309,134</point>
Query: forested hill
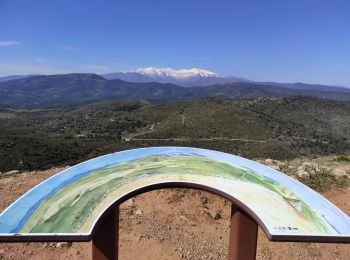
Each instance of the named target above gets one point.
<point>268,127</point>
<point>67,89</point>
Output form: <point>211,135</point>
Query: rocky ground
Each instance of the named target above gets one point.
<point>185,223</point>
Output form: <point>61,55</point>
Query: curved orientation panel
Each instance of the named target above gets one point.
<point>68,205</point>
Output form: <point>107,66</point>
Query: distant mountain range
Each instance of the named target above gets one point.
<point>54,90</point>
<point>184,77</point>
<point>191,77</point>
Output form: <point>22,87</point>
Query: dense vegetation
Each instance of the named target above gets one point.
<point>280,128</point>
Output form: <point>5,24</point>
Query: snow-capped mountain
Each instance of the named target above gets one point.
<point>178,74</point>
<point>182,77</point>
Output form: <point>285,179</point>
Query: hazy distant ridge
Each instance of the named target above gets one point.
<point>43,91</point>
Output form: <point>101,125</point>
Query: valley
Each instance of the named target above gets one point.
<point>280,128</point>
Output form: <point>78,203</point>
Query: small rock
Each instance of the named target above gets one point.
<point>139,212</point>
<point>276,167</point>
<point>63,244</point>
<point>302,174</point>
<point>269,161</point>
<point>2,251</point>
<point>338,172</point>
<point>279,163</point>
<point>25,174</point>
<point>312,168</point>
<point>130,202</point>
<point>183,217</point>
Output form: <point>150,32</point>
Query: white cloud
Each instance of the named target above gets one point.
<point>8,43</point>
<point>68,48</point>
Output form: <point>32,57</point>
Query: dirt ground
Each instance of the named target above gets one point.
<point>167,224</point>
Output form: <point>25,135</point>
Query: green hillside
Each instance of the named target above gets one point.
<point>279,128</point>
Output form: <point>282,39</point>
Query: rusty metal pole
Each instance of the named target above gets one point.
<point>243,236</point>
<point>105,239</point>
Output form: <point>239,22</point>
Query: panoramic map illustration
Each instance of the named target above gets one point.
<point>73,200</point>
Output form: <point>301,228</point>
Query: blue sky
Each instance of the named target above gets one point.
<point>265,40</point>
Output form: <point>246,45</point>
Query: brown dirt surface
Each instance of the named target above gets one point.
<point>167,224</point>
